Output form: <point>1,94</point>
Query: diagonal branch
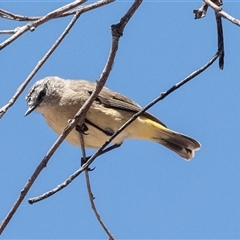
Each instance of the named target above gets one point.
<point>90,194</point>
<point>115,39</point>
<point>31,26</point>
<point>100,150</point>
<point>44,162</point>
<point>16,17</point>
<point>161,97</point>
<point>79,118</point>
<point>8,31</point>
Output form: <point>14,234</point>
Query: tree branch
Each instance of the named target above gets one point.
<point>8,31</point>
<point>116,34</point>
<point>201,12</point>
<point>79,118</point>
<point>90,194</point>
<point>31,26</point>
<point>220,40</point>
<point>11,16</point>
<point>100,150</point>
<point>91,199</point>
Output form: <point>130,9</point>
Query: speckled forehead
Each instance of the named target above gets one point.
<point>32,90</point>
<point>30,93</point>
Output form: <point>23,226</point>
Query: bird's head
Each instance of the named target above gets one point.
<point>43,93</point>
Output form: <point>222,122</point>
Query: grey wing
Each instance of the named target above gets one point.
<point>107,97</point>
<point>115,100</point>
<point>111,99</point>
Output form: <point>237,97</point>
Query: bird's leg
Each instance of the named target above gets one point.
<point>110,148</point>
<point>82,129</point>
<point>107,132</point>
<point>83,161</point>
<point>104,151</point>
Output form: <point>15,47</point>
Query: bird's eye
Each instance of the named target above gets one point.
<point>41,95</point>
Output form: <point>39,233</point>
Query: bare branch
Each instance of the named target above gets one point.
<point>100,150</point>
<point>16,17</point>
<point>45,160</point>
<point>221,13</point>
<point>79,118</point>
<point>91,199</point>
<point>220,40</point>
<point>31,26</point>
<point>90,194</point>
<point>117,32</point>
<point>161,97</point>
<point>201,12</point>
<point>106,71</point>
<point>8,31</point>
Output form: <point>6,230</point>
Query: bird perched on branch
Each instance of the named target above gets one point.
<point>58,100</point>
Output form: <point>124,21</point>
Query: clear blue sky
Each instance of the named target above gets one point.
<point>142,190</point>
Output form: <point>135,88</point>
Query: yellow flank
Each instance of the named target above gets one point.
<point>153,123</point>
<point>145,128</point>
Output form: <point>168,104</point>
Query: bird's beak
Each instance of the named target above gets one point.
<point>30,109</point>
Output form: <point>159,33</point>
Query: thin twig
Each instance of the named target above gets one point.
<point>44,162</point>
<point>16,17</point>
<point>90,194</point>
<point>201,12</point>
<point>220,40</point>
<point>68,129</point>
<point>103,77</point>
<point>8,31</point>
<point>91,198</point>
<point>82,147</point>
<point>31,26</point>
<point>135,116</point>
<point>98,152</point>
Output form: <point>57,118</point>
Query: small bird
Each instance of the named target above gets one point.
<point>58,100</point>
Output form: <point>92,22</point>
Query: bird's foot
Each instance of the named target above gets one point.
<point>83,161</point>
